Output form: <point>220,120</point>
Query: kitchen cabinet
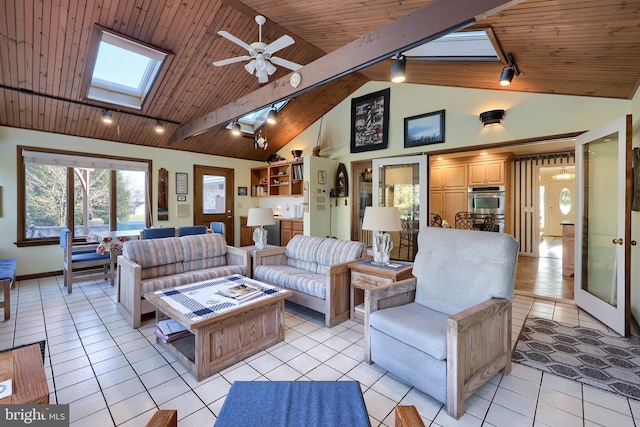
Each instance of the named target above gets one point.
<point>489,172</point>
<point>290,228</point>
<point>448,203</point>
<point>246,233</point>
<point>449,176</point>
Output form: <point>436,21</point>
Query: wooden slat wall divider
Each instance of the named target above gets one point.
<point>525,209</point>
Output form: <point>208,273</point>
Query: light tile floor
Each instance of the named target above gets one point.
<point>111,374</point>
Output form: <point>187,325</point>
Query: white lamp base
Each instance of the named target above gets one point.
<point>260,237</point>
<point>382,246</point>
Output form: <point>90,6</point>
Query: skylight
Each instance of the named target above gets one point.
<point>460,46</point>
<point>253,121</point>
<point>124,71</point>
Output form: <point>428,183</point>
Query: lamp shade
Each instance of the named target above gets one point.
<point>382,218</point>
<point>260,216</point>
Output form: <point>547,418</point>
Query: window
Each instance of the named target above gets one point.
<point>253,121</point>
<point>459,46</point>
<point>83,193</point>
<point>122,70</point>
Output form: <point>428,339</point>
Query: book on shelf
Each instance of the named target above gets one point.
<point>169,330</point>
<point>240,292</point>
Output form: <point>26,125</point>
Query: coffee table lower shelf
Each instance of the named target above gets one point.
<point>219,343</point>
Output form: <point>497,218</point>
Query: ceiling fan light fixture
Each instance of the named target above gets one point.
<point>491,118</point>
<point>272,117</point>
<point>236,130</point>
<point>398,69</point>
<point>250,66</point>
<point>106,118</point>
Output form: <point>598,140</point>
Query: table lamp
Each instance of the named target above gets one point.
<point>259,217</point>
<point>381,219</point>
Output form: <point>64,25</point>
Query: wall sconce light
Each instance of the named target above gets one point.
<point>491,118</point>
<point>236,130</point>
<point>107,119</point>
<point>398,69</point>
<point>509,71</point>
<point>272,117</point>
<point>158,127</point>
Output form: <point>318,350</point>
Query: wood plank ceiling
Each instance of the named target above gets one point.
<point>572,47</point>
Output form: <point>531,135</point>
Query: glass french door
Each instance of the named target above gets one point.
<point>213,198</point>
<point>603,229</point>
<point>402,182</point>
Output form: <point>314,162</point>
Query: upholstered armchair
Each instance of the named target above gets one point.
<point>447,330</point>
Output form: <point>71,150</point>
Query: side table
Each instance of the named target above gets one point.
<point>251,251</point>
<point>366,276</point>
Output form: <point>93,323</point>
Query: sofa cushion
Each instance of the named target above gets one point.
<point>293,278</point>
<point>334,251</point>
<point>415,325</point>
<point>202,251</point>
<point>157,257</point>
<point>483,267</point>
<point>301,252</point>
<point>187,277</point>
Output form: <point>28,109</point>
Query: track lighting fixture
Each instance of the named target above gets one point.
<point>272,117</point>
<point>159,127</point>
<point>509,71</point>
<point>491,118</point>
<point>107,119</point>
<point>236,130</point>
<point>398,69</point>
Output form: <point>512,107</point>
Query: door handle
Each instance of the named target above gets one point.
<point>618,241</point>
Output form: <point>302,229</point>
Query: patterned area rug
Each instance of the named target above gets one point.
<point>600,359</point>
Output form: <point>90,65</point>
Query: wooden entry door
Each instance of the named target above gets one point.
<point>213,198</point>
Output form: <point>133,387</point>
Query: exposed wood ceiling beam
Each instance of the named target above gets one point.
<point>434,20</point>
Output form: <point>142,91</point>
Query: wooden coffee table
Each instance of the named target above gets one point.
<point>24,367</point>
<point>221,334</point>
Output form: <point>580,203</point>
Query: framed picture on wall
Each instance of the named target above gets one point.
<point>370,121</point>
<point>424,129</point>
<point>182,186</point>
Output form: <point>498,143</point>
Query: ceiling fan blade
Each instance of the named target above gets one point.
<point>285,63</point>
<point>281,43</point>
<point>236,40</point>
<point>231,60</point>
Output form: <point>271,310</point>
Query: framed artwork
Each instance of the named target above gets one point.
<point>163,200</point>
<point>182,186</point>
<point>182,198</point>
<point>370,121</point>
<point>242,191</point>
<point>322,177</point>
<point>424,129</point>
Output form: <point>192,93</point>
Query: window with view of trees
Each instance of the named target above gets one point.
<point>86,194</point>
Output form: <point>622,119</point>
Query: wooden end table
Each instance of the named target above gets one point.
<point>220,335</point>
<point>24,367</point>
<point>251,252</point>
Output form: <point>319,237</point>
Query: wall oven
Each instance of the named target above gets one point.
<point>485,200</point>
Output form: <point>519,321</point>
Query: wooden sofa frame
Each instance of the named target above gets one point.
<point>336,305</point>
<point>132,307</point>
<point>478,340</point>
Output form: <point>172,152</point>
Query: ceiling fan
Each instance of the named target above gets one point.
<point>260,54</point>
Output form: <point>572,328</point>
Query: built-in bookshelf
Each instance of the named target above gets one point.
<point>283,178</point>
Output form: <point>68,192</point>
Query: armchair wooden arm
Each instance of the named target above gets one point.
<point>237,256</point>
<point>478,346</point>
<point>408,416</point>
<point>164,418</point>
<point>129,289</point>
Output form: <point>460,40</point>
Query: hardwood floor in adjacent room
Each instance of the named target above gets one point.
<point>542,277</point>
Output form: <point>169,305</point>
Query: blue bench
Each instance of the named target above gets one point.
<point>8,281</point>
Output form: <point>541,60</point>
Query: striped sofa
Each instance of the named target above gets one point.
<point>153,264</point>
<point>315,269</point>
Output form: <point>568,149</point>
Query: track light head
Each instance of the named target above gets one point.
<point>398,69</point>
<point>272,117</point>
<point>107,119</point>
<point>236,130</point>
<point>158,127</point>
<point>509,71</point>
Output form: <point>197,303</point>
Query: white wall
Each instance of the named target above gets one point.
<point>39,259</point>
<point>527,116</point>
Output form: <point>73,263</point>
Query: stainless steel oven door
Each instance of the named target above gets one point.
<point>487,203</point>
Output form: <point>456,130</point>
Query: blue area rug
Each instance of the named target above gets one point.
<point>599,359</point>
